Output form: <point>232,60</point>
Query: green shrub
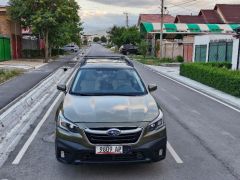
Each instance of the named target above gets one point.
<point>143,48</point>
<point>56,52</point>
<point>30,53</point>
<point>166,60</point>
<point>216,75</point>
<point>8,74</point>
<point>179,59</point>
<point>218,64</point>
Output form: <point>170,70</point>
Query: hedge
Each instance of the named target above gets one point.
<point>30,53</point>
<point>216,75</point>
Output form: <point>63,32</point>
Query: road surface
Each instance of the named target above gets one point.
<point>203,138</point>
<point>14,88</point>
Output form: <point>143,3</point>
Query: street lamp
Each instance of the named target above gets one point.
<point>237,30</point>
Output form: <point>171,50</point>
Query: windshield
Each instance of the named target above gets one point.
<point>107,81</point>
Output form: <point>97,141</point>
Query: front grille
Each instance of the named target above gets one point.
<point>106,139</point>
<point>121,157</point>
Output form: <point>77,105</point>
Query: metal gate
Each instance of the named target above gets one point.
<point>220,52</point>
<point>5,49</point>
<point>200,53</point>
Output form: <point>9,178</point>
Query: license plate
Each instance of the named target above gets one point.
<point>109,149</point>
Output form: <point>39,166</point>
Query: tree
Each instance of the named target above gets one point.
<point>103,39</point>
<point>51,19</point>
<point>143,48</point>
<point>123,35</point>
<point>96,39</point>
<point>85,42</point>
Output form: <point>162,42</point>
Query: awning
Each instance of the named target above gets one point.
<point>179,28</point>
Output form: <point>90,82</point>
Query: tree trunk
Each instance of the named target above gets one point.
<point>46,46</point>
<point>50,51</point>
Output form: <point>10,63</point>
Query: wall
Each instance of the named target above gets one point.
<point>206,39</point>
<point>171,49</point>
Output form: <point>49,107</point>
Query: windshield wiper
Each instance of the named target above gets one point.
<point>108,94</point>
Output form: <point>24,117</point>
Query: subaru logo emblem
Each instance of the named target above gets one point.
<point>113,132</point>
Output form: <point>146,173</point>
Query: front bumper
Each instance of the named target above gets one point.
<point>75,153</point>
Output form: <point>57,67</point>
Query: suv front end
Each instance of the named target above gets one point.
<point>142,142</point>
<point>109,116</point>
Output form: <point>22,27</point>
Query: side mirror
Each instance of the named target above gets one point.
<point>62,87</point>
<point>152,87</point>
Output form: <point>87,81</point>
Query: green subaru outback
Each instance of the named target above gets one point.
<point>109,116</point>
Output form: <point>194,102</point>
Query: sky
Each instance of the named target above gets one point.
<point>100,15</point>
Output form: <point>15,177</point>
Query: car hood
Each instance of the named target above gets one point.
<point>110,108</point>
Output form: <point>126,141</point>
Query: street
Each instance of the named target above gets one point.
<point>202,134</point>
<point>29,79</point>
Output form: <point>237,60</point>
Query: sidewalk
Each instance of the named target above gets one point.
<point>173,72</point>
<point>22,64</point>
<point>18,86</point>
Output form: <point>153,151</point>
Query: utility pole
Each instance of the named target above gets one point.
<point>161,30</point>
<point>127,21</point>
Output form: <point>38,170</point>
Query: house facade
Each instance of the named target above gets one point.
<point>180,34</point>
<point>217,48</point>
<point>10,34</point>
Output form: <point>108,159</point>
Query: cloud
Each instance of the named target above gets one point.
<point>128,3</point>
<point>90,14</point>
<point>3,2</point>
<point>99,24</point>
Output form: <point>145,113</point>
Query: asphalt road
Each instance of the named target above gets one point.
<point>204,134</point>
<point>16,87</point>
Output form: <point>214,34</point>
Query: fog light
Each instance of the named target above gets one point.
<point>160,153</point>
<point>139,156</point>
<point>62,154</point>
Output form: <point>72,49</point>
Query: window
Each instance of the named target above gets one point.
<point>106,81</point>
<point>200,53</point>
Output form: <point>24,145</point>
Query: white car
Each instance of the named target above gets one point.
<point>71,48</point>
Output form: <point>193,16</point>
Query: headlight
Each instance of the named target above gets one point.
<point>157,123</point>
<point>66,125</point>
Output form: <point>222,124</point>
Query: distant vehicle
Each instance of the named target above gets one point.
<point>109,116</point>
<point>71,48</point>
<point>104,44</point>
<point>128,49</point>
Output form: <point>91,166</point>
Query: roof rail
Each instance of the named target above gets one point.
<point>119,58</point>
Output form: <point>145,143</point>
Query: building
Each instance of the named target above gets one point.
<point>148,19</point>
<point>179,35</point>
<point>217,48</point>
<point>221,14</point>
<point>10,34</point>
<point>154,18</point>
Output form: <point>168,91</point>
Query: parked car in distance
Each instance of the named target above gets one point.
<point>128,49</point>
<point>109,116</point>
<point>71,48</point>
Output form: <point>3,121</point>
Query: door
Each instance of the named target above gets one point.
<point>7,49</point>
<point>200,53</point>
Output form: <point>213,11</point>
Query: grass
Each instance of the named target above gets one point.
<point>150,60</point>
<point>8,74</point>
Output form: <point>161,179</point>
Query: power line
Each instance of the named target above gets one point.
<point>177,5</point>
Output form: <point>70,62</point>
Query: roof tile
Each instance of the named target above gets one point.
<point>189,19</point>
<point>230,12</point>
<point>155,18</point>
<point>211,16</point>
